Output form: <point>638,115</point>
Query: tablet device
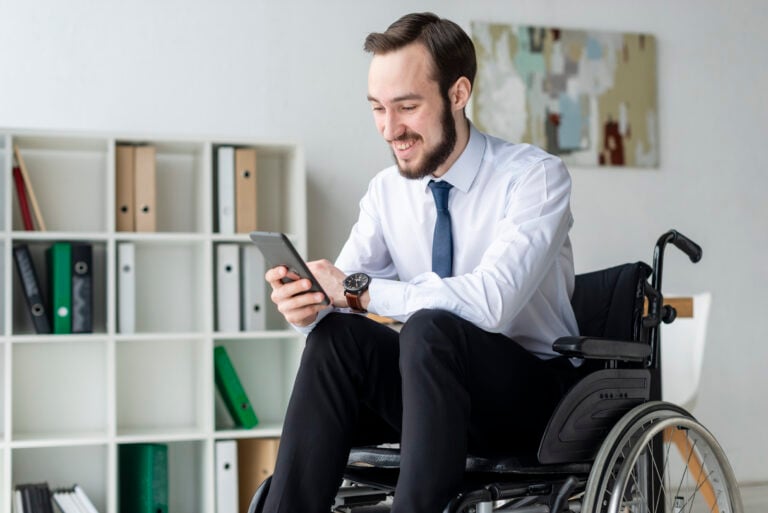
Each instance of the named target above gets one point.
<point>278,250</point>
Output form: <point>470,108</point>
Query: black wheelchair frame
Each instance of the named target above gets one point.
<point>608,447</point>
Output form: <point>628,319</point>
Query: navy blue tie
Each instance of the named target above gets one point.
<point>442,242</point>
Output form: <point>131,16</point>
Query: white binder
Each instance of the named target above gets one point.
<point>226,477</point>
<point>228,287</point>
<point>126,288</point>
<point>225,182</point>
<point>254,289</point>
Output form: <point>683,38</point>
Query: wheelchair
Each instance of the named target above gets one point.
<point>611,445</point>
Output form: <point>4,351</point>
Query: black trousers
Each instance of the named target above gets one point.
<point>441,387</point>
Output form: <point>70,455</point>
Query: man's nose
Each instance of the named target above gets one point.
<point>392,127</point>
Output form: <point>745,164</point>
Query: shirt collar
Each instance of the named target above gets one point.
<point>463,172</point>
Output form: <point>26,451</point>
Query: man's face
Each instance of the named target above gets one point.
<point>409,111</point>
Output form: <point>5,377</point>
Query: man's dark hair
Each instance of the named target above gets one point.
<point>452,51</point>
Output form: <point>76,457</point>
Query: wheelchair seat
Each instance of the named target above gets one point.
<point>606,446</point>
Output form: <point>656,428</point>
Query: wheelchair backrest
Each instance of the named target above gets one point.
<point>609,302</point>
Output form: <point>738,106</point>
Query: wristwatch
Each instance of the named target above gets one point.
<point>354,286</point>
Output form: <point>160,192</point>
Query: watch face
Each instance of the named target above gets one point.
<point>357,282</point>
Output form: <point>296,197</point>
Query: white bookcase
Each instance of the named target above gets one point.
<point>68,401</point>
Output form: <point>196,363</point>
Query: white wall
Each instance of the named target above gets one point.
<point>296,70</point>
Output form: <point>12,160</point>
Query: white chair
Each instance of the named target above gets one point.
<point>682,353</point>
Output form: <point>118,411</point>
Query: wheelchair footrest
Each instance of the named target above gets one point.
<point>355,496</point>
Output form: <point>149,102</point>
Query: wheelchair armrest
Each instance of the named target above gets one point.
<point>602,349</point>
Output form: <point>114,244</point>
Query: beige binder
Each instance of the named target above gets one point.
<point>255,461</point>
<point>124,184</point>
<point>245,190</point>
<point>145,189</point>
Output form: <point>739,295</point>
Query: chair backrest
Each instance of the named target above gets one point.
<point>609,302</point>
<point>682,353</point>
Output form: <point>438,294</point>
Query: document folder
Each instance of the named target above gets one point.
<point>33,295</point>
<point>145,193</point>
<point>125,216</point>
<point>59,260</point>
<point>232,391</point>
<point>143,479</point>
<point>245,189</point>
<point>82,288</point>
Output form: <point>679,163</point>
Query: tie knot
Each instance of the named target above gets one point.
<point>440,191</point>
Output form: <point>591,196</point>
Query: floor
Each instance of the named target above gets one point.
<point>755,498</point>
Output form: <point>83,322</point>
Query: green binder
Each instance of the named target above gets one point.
<point>59,261</point>
<point>143,478</point>
<point>231,390</point>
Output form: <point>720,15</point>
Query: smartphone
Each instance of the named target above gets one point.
<point>278,250</point>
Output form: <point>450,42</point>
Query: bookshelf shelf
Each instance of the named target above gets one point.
<point>69,401</point>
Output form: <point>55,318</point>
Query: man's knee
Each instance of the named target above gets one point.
<point>430,333</point>
<point>332,340</point>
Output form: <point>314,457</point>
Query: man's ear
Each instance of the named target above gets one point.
<point>459,93</point>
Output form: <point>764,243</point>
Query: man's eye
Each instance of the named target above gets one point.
<point>409,107</point>
<point>377,108</point>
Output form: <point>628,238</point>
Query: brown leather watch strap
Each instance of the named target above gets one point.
<point>353,300</point>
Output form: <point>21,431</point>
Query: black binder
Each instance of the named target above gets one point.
<point>82,288</point>
<point>31,287</point>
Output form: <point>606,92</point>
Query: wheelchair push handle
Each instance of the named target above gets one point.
<point>685,245</point>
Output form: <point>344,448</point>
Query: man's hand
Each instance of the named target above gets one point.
<point>298,306</point>
<point>331,279</point>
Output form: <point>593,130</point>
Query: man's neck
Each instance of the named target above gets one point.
<point>462,139</point>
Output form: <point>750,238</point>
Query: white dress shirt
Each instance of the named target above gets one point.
<point>512,258</point>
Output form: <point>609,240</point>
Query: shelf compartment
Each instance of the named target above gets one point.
<point>245,284</point>
<point>63,467</point>
<point>59,390</point>
<point>168,287</point>
<point>69,178</point>
<point>186,475</point>
<point>22,321</point>
<point>266,369</point>
<point>159,384</point>
<point>280,203</point>
<point>180,168</point>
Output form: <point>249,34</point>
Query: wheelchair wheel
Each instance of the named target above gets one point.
<point>659,459</point>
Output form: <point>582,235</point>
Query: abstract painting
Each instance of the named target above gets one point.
<point>587,96</point>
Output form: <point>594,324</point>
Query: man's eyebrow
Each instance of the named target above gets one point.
<point>402,98</point>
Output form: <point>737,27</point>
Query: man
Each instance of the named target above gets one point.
<point>472,368</point>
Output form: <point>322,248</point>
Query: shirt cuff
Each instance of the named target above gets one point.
<point>388,298</point>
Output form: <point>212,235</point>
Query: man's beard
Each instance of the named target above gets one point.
<point>439,155</point>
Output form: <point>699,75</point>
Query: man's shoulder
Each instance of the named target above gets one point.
<point>518,155</point>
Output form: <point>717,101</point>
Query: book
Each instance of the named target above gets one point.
<point>231,390</point>
<point>85,501</point>
<point>59,262</point>
<point>21,196</point>
<point>33,498</point>
<point>36,304</point>
<point>125,217</point>
<point>72,500</point>
<point>145,194</point>
<point>245,190</point>
<point>227,287</point>
<point>126,288</point>
<point>143,478</point>
<point>225,189</point>
<point>226,476</point>
<point>28,187</point>
<point>256,459</point>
